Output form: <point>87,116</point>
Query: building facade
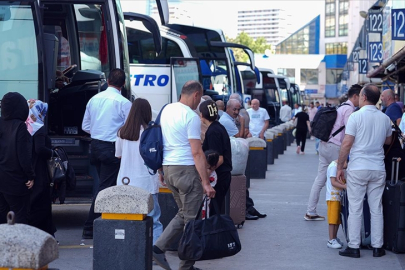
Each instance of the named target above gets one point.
<point>272,24</point>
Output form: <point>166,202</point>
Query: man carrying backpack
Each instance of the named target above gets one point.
<point>329,150</point>
<point>184,167</point>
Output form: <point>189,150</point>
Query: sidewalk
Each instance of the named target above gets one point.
<point>282,240</point>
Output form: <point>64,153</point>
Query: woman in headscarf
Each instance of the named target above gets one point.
<point>40,211</point>
<point>16,174</point>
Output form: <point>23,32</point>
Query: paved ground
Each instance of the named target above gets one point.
<point>283,240</point>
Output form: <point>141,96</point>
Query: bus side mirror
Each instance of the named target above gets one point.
<point>149,24</point>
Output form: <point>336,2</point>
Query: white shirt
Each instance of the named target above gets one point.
<point>370,128</point>
<point>332,193</point>
<point>179,124</point>
<point>132,166</point>
<point>105,113</point>
<point>257,119</point>
<point>229,124</point>
<point>402,124</point>
<point>285,113</point>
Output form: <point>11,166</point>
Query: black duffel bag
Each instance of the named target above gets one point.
<point>211,238</point>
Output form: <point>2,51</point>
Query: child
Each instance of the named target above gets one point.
<point>333,193</point>
<point>212,160</point>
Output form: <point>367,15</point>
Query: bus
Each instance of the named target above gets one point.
<point>188,52</point>
<point>79,40</point>
<point>270,89</point>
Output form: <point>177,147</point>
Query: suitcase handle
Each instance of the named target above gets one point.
<point>394,177</point>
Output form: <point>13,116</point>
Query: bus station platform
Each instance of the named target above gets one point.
<point>282,240</point>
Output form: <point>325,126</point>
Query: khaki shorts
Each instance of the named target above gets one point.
<point>333,212</point>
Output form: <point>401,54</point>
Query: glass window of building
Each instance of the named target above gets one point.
<point>288,72</point>
<point>333,76</point>
<point>336,48</point>
<point>309,76</point>
<point>330,20</point>
<point>343,17</point>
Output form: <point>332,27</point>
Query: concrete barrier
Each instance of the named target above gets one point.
<point>123,235</point>
<point>269,146</point>
<point>25,247</point>
<point>169,209</point>
<point>280,144</point>
<point>257,160</point>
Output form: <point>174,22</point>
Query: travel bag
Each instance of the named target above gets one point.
<point>237,199</point>
<point>366,223</point>
<point>211,238</point>
<point>394,211</point>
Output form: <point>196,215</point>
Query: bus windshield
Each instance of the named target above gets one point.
<point>18,50</point>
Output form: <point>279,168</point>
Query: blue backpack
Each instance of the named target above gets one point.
<point>151,145</point>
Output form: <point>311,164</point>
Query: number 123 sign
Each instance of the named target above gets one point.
<point>398,24</point>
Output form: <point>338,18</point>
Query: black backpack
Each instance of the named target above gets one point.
<point>151,145</point>
<point>322,124</point>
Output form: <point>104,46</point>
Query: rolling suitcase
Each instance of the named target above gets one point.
<point>366,224</point>
<point>237,199</point>
<point>394,211</point>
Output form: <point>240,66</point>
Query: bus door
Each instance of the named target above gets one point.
<point>183,70</point>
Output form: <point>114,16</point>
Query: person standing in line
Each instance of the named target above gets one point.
<point>105,113</point>
<point>221,107</point>
<point>302,129</point>
<point>285,112</point>
<point>391,108</point>
<point>243,116</point>
<point>311,113</point>
<point>329,151</point>
<point>40,210</point>
<point>184,167</point>
<point>228,119</point>
<point>297,109</point>
<point>132,164</point>
<point>16,173</point>
<point>259,119</point>
<point>217,139</point>
<point>367,130</point>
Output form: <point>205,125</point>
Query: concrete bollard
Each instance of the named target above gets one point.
<point>285,128</point>
<point>257,159</point>
<point>25,247</point>
<point>123,235</point>
<point>169,209</point>
<point>269,146</point>
<point>280,144</point>
<point>276,141</point>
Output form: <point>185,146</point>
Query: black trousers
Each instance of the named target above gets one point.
<point>249,202</point>
<point>221,188</point>
<point>17,204</point>
<point>301,137</point>
<point>40,210</point>
<point>108,166</point>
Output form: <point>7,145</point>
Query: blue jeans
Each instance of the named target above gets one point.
<point>155,214</point>
<point>317,141</point>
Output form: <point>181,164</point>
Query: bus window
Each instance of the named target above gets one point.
<point>215,75</point>
<point>63,60</point>
<point>18,50</point>
<point>249,80</point>
<point>142,49</point>
<point>92,37</point>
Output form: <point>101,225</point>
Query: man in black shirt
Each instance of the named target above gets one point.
<point>301,130</point>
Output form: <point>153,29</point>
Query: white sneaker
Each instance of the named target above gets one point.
<point>339,241</point>
<point>334,244</point>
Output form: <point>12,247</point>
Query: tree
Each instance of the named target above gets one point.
<point>257,46</point>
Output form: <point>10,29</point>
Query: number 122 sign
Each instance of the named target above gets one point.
<point>398,24</point>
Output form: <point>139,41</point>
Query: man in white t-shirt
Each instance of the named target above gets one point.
<point>367,130</point>
<point>259,119</point>
<point>184,167</point>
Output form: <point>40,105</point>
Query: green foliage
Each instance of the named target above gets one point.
<point>257,46</point>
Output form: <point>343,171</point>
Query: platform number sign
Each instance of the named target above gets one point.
<point>363,66</point>
<point>375,51</point>
<point>398,24</point>
<point>375,22</point>
<point>355,56</point>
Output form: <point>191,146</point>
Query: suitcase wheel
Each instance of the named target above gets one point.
<point>239,226</point>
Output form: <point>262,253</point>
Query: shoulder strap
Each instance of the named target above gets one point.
<point>337,131</point>
<point>157,121</point>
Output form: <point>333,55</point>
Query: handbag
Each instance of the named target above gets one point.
<point>211,238</point>
<point>57,168</point>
